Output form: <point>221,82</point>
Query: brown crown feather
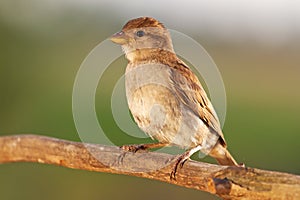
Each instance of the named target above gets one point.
<point>143,22</point>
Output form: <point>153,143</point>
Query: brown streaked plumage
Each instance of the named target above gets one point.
<point>142,22</point>
<point>165,97</point>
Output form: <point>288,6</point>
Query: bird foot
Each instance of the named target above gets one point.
<point>133,148</point>
<point>179,163</point>
<point>129,148</point>
<point>182,159</point>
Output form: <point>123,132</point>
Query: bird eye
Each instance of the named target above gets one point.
<point>140,33</point>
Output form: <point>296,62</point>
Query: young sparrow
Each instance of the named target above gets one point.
<point>165,97</point>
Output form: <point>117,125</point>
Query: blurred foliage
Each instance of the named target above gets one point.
<point>37,71</point>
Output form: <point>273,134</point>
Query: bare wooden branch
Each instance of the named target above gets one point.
<point>225,182</point>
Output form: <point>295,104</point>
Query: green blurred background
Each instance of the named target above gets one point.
<point>255,46</point>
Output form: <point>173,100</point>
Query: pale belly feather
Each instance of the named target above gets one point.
<point>158,111</point>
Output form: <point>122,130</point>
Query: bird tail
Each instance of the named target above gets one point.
<point>222,155</point>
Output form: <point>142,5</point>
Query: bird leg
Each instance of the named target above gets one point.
<point>137,147</point>
<point>182,159</point>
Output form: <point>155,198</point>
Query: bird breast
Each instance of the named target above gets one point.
<point>157,109</point>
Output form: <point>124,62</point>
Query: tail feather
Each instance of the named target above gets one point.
<point>222,155</point>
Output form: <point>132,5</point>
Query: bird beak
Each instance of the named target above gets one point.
<point>119,38</point>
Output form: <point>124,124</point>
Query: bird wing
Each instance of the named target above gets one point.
<point>190,92</point>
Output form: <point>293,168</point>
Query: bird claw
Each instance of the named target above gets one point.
<point>183,162</point>
<point>179,163</point>
<point>128,148</point>
<point>173,175</point>
<point>120,159</point>
<point>133,148</point>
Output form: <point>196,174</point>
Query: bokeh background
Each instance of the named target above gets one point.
<point>255,45</point>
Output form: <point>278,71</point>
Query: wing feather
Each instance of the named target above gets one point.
<point>191,93</point>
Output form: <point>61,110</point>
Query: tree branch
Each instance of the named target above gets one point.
<point>225,182</point>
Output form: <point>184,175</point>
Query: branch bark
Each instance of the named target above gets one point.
<point>225,182</point>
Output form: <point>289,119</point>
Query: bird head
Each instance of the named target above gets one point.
<point>143,33</point>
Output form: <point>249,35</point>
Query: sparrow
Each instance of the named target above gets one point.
<point>165,98</point>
